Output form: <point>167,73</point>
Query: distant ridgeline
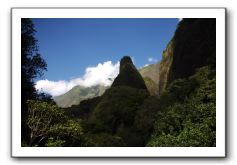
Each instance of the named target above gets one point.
<point>150,74</point>
<point>172,103</point>
<point>78,94</point>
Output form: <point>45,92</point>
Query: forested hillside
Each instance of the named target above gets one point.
<point>172,103</point>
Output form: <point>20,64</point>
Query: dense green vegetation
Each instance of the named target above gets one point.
<point>177,109</point>
<point>186,115</point>
<point>190,118</point>
<point>114,114</point>
<point>50,126</point>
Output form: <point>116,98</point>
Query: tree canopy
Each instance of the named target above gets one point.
<point>32,66</point>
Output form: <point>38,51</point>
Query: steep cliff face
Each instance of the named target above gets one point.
<point>164,68</point>
<point>193,46</point>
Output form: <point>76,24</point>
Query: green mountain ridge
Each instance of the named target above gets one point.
<point>78,94</point>
<point>150,71</point>
<point>150,74</point>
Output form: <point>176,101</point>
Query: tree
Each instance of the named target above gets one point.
<point>70,132</point>
<point>32,66</point>
<point>42,116</point>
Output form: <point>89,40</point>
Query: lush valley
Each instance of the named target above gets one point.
<point>172,103</point>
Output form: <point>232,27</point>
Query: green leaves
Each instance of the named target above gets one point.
<point>191,119</point>
<point>69,128</point>
<point>193,135</point>
<point>41,116</point>
<point>103,140</point>
<point>48,123</point>
<point>51,142</point>
<point>70,132</point>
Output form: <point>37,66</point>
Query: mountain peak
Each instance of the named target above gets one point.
<point>129,75</point>
<point>124,61</point>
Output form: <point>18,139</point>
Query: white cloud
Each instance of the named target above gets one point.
<point>103,74</point>
<point>133,60</point>
<point>151,59</point>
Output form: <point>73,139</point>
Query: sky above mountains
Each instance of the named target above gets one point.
<point>87,51</point>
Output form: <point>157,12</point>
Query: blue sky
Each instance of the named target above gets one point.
<point>69,46</point>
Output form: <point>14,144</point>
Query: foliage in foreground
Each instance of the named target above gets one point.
<point>191,122</point>
<point>49,126</point>
<point>185,115</point>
